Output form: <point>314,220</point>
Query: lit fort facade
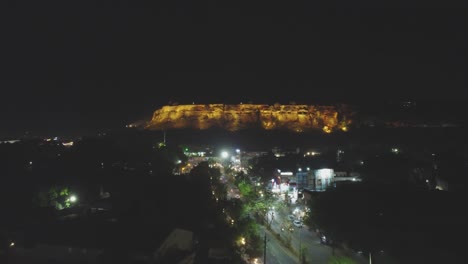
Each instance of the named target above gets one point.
<point>297,118</point>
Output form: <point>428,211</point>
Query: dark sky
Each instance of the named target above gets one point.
<point>72,67</point>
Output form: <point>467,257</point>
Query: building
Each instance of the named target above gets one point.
<point>315,180</point>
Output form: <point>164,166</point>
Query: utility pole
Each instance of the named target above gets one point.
<point>300,245</point>
<point>370,258</point>
<point>264,249</point>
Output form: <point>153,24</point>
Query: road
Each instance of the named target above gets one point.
<point>315,251</point>
<point>276,253</point>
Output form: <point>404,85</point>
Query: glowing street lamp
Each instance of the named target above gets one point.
<point>73,198</point>
<point>224,154</point>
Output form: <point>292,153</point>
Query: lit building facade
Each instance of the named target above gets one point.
<point>316,180</point>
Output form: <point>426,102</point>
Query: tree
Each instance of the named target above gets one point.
<point>55,196</point>
<point>288,230</point>
<point>246,190</point>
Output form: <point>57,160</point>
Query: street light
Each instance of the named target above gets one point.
<point>73,198</point>
<point>224,154</point>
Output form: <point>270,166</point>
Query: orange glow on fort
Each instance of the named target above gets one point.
<point>298,118</point>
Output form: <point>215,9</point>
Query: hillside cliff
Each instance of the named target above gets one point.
<point>297,118</point>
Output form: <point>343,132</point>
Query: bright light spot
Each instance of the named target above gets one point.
<point>299,169</point>
<point>344,129</point>
<point>12,244</point>
<point>326,129</point>
<point>73,198</point>
<point>395,150</point>
<point>238,151</point>
<point>308,169</point>
<point>68,144</point>
<point>224,154</point>
<point>427,180</point>
<point>279,171</point>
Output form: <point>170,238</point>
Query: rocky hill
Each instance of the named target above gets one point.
<point>298,118</point>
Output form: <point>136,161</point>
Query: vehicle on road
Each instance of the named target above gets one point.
<point>325,239</point>
<point>297,223</point>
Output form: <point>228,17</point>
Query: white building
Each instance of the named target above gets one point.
<point>315,180</point>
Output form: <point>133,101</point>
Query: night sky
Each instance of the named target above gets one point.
<point>70,68</point>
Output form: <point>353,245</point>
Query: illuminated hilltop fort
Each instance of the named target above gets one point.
<point>297,118</point>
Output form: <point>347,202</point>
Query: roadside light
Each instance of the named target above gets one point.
<point>243,241</point>
<point>73,198</point>
<point>12,244</point>
<point>237,151</point>
<point>224,154</point>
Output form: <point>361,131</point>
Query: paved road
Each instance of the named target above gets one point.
<point>276,253</point>
<point>315,251</point>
